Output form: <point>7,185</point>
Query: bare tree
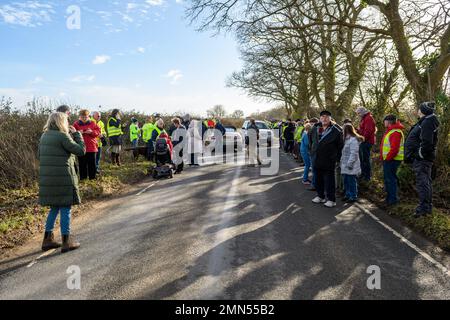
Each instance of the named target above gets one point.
<point>218,111</point>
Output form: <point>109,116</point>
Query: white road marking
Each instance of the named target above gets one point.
<point>47,253</point>
<point>145,189</point>
<point>425,255</point>
<point>211,286</point>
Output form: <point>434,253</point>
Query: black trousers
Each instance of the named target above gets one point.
<point>88,166</point>
<point>424,185</point>
<point>289,146</point>
<point>326,184</point>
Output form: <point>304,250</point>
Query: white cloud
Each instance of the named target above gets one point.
<point>155,2</point>
<point>141,50</point>
<point>175,75</point>
<point>101,59</point>
<point>26,14</point>
<point>131,6</point>
<point>37,80</point>
<point>82,78</point>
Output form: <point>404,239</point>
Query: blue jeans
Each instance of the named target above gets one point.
<point>307,162</point>
<point>65,219</point>
<point>98,157</point>
<point>364,155</point>
<point>314,179</point>
<point>350,186</point>
<point>135,143</point>
<point>391,180</point>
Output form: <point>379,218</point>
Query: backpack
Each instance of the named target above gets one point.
<point>161,146</point>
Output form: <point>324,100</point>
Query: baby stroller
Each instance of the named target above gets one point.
<point>164,166</point>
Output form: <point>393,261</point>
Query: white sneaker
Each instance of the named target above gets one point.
<point>318,200</point>
<point>330,204</point>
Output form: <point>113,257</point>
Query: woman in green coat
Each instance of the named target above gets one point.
<point>58,180</point>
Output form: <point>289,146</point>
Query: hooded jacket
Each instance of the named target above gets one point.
<point>395,140</point>
<point>58,179</point>
<point>367,128</point>
<point>350,163</point>
<point>422,140</point>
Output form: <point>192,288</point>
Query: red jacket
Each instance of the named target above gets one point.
<point>368,128</point>
<point>395,140</point>
<point>169,143</point>
<point>90,140</point>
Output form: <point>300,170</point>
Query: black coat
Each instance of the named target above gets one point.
<point>422,140</point>
<point>289,132</point>
<point>329,148</point>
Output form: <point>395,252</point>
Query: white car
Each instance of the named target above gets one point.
<point>231,138</point>
<point>265,133</point>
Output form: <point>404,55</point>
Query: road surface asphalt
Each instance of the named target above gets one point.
<point>227,232</point>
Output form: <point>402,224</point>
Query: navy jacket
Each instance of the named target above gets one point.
<point>329,148</point>
<point>422,140</point>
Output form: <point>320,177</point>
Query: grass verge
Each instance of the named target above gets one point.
<point>435,227</point>
<point>21,216</point>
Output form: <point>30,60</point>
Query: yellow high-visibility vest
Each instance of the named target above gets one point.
<point>134,132</point>
<point>159,131</point>
<point>113,131</point>
<point>147,131</point>
<point>101,125</point>
<point>298,133</point>
<point>387,146</point>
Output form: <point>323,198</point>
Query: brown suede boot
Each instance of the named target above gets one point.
<point>49,242</point>
<point>113,158</point>
<point>118,159</point>
<point>69,244</point>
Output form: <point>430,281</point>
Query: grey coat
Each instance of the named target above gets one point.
<point>350,163</point>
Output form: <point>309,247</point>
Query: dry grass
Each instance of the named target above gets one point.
<point>21,216</point>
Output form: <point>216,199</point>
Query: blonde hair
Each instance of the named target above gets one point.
<point>59,120</point>
<point>160,123</point>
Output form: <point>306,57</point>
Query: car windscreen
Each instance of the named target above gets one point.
<point>230,129</point>
<point>262,126</point>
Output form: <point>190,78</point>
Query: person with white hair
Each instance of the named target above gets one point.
<point>101,141</point>
<point>367,129</point>
<point>157,130</point>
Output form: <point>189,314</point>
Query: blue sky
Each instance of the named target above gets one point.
<point>133,54</point>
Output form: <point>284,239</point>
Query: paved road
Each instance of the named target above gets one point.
<point>226,232</point>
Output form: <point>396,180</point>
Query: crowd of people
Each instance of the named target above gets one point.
<point>339,157</point>
<point>72,152</point>
<point>334,156</point>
